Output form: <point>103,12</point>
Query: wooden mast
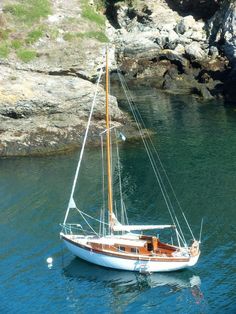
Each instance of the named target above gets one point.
<point>109,182</point>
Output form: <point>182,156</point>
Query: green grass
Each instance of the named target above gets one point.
<point>16,44</point>
<point>53,33</point>
<point>29,11</point>
<point>69,36</point>
<point>4,34</point>
<point>71,20</point>
<point>26,55</point>
<point>100,36</point>
<point>90,14</point>
<point>33,36</point>
<point>4,50</point>
<point>100,4</point>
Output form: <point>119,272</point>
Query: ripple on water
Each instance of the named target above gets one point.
<point>196,143</point>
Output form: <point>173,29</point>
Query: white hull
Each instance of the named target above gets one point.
<point>139,264</point>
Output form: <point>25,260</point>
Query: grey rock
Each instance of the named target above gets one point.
<point>222,28</point>
<point>172,40</point>
<point>185,24</point>
<point>213,51</point>
<point>45,113</point>
<point>204,92</point>
<point>229,32</point>
<point>195,51</point>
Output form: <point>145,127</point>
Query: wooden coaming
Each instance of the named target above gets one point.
<point>157,247</point>
<point>112,250</point>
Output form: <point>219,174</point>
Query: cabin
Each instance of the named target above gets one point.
<point>144,245</point>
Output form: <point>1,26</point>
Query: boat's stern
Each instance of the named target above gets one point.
<point>195,252</point>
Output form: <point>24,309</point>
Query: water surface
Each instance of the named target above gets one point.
<point>197,145</point>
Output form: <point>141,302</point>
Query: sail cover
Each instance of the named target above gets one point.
<point>117,226</point>
<point>140,227</point>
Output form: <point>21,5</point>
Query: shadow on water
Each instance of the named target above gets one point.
<point>126,287</point>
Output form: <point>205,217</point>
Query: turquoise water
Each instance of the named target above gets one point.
<point>197,144</point>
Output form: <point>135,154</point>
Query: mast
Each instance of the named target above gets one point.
<point>108,146</point>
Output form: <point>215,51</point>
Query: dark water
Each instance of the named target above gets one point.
<point>197,144</point>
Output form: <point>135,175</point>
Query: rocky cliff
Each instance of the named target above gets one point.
<point>50,54</point>
<point>180,46</point>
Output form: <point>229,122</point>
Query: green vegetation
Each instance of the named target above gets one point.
<point>16,44</point>
<point>29,11</point>
<point>71,20</point>
<point>21,25</point>
<point>26,55</point>
<point>90,14</point>
<point>13,78</point>
<point>4,33</point>
<point>101,4</point>
<point>33,36</point>
<point>53,33</point>
<point>69,36</point>
<point>26,17</point>
<point>95,29</point>
<point>100,36</point>
<point>4,50</point>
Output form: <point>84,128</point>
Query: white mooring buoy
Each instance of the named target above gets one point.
<point>49,260</point>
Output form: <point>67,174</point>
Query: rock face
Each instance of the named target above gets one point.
<point>45,102</point>
<point>200,9</point>
<point>42,114</point>
<point>65,46</point>
<point>223,31</point>
<point>48,68</point>
<point>184,53</point>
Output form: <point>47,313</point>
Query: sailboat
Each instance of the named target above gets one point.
<point>117,244</point>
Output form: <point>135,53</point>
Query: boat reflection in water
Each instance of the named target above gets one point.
<point>126,286</point>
